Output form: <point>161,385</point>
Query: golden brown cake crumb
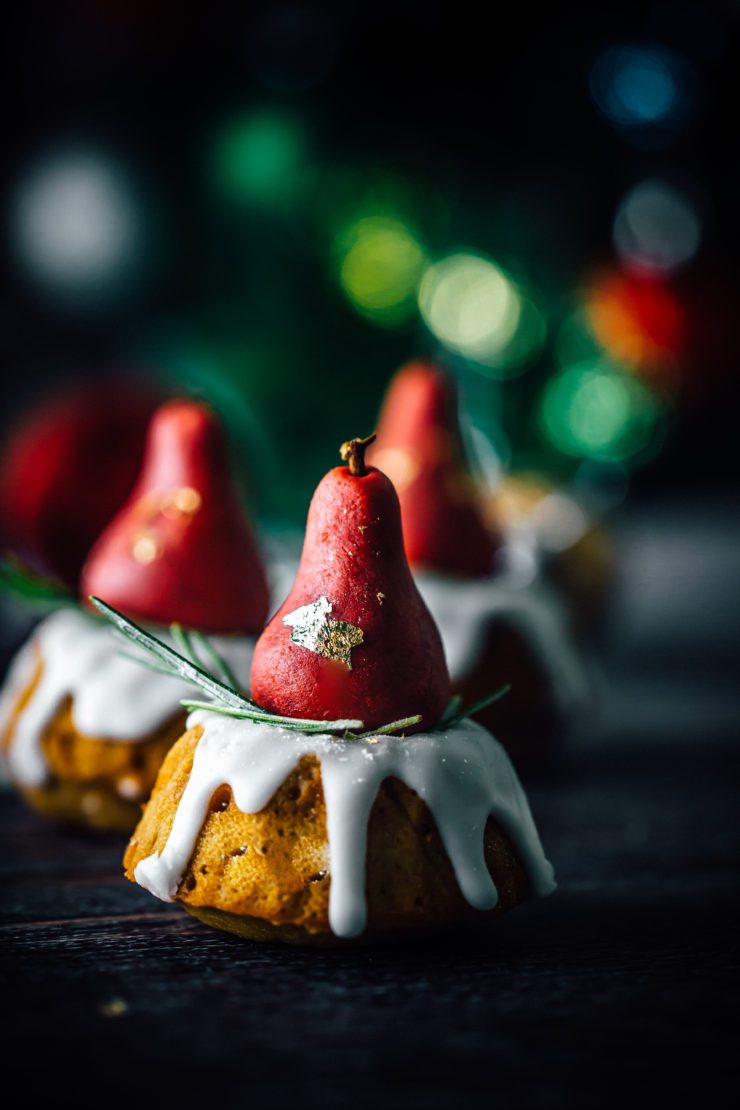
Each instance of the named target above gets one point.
<point>92,781</point>
<point>273,867</point>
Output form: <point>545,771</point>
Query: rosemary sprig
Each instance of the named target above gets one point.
<point>25,584</point>
<point>295,724</point>
<point>227,701</point>
<point>175,663</point>
<point>476,707</point>
<point>144,662</point>
<point>183,642</point>
<point>186,639</point>
<point>225,672</point>
<point>389,729</point>
<point>224,698</point>
<point>453,708</point>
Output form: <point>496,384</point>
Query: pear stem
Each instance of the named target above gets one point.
<point>353,453</point>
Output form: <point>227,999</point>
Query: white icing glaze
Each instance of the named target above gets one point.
<point>462,774</point>
<point>113,697</point>
<point>463,611</point>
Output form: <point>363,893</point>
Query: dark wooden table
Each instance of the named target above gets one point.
<point>620,990</point>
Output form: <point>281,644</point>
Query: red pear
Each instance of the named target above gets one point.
<point>420,448</point>
<point>67,465</point>
<point>354,638</point>
<point>181,548</point>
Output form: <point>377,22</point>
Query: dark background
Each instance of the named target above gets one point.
<point>479,129</point>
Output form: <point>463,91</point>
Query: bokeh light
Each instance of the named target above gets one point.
<point>647,91</point>
<point>77,225</point>
<point>524,346</point>
<point>592,410</point>
<point>470,305</point>
<point>257,158</point>
<point>638,322</point>
<point>558,522</point>
<point>380,262</point>
<point>657,228</point>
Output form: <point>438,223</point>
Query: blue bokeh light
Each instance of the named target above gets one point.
<point>645,90</point>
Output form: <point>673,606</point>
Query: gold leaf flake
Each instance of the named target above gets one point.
<point>315,630</point>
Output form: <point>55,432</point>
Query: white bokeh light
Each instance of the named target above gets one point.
<point>657,227</point>
<point>470,305</point>
<point>76,225</point>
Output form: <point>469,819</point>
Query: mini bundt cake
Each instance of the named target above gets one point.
<point>519,637</point>
<point>84,728</point>
<point>348,801</point>
<point>269,874</point>
<point>99,781</point>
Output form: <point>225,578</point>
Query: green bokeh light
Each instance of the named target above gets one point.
<point>257,157</point>
<point>593,410</point>
<point>380,264</point>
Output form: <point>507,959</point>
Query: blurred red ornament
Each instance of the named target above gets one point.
<point>66,467</point>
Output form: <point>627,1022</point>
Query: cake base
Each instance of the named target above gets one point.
<point>92,781</point>
<point>94,805</point>
<point>256,928</point>
<point>526,720</point>
<point>265,932</point>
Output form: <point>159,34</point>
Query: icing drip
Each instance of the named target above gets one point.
<point>463,611</point>
<point>113,697</point>
<point>463,775</point>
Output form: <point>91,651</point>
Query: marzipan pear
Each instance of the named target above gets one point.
<point>181,548</point>
<point>354,638</point>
